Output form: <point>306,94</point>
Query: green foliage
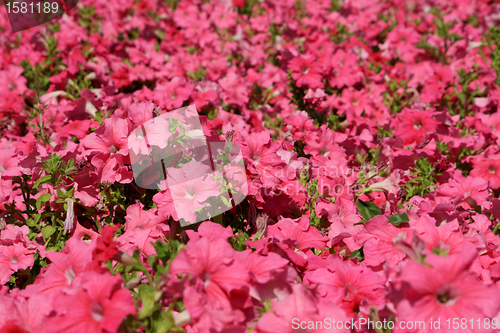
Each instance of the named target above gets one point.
<point>39,75</point>
<point>37,214</point>
<point>25,277</point>
<point>461,99</point>
<point>336,5</point>
<point>76,85</point>
<point>335,122</point>
<point>341,34</point>
<point>89,19</point>
<point>443,31</point>
<point>238,241</point>
<point>198,74</point>
<point>152,315</point>
<point>267,307</point>
<point>367,210</point>
<point>396,96</point>
<point>357,254</point>
<point>424,180</point>
<point>397,219</point>
<point>492,39</point>
<point>260,97</point>
<point>248,8</point>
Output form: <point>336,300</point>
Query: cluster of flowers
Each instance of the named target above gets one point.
<point>370,136</point>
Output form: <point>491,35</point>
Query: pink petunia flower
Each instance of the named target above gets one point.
<point>98,306</point>
<point>14,258</point>
<point>9,163</point>
<point>487,169</point>
<point>213,263</point>
<point>348,285</point>
<point>298,311</point>
<point>306,72</point>
<point>446,290</point>
<point>190,186</point>
<point>65,266</point>
<point>473,188</point>
<point>412,126</point>
<point>379,239</point>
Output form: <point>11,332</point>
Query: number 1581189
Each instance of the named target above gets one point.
<point>23,7</point>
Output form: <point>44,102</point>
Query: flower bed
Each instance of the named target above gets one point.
<point>370,136</point>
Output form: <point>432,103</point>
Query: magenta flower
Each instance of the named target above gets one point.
<point>445,289</point>
<point>65,266</point>
<point>99,305</point>
<point>213,263</point>
<point>350,286</point>
<point>412,126</point>
<point>190,186</point>
<point>379,239</point>
<point>487,169</point>
<point>14,258</point>
<point>306,72</point>
<point>300,306</point>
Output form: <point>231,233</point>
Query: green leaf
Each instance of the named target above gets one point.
<point>367,210</point>
<point>41,199</point>
<point>357,254</point>
<point>397,219</point>
<point>42,180</point>
<point>33,222</point>
<point>147,297</point>
<point>47,231</point>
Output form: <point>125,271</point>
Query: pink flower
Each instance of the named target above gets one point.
<point>473,188</point>
<point>325,142</point>
<point>300,308</point>
<point>11,78</point>
<point>99,305</point>
<point>301,235</point>
<point>170,95</point>
<point>412,126</point>
<point>29,316</point>
<point>109,139</point>
<point>445,290</point>
<point>348,285</point>
<point>65,266</point>
<point>487,169</point>
<point>345,69</point>
<point>213,263</point>
<point>142,228</point>
<point>153,133</point>
<point>14,258</point>
<point>404,39</point>
<point>234,89</point>
<point>139,113</point>
<point>306,72</point>
<point>5,192</point>
<point>9,163</point>
<point>190,186</point>
<point>379,239</point>
<point>262,161</point>
<point>108,145</point>
<point>261,267</point>
<point>443,239</point>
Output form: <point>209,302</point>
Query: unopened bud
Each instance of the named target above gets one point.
<point>69,222</point>
<point>182,319</point>
<point>124,258</point>
<point>133,283</point>
<point>72,171</point>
